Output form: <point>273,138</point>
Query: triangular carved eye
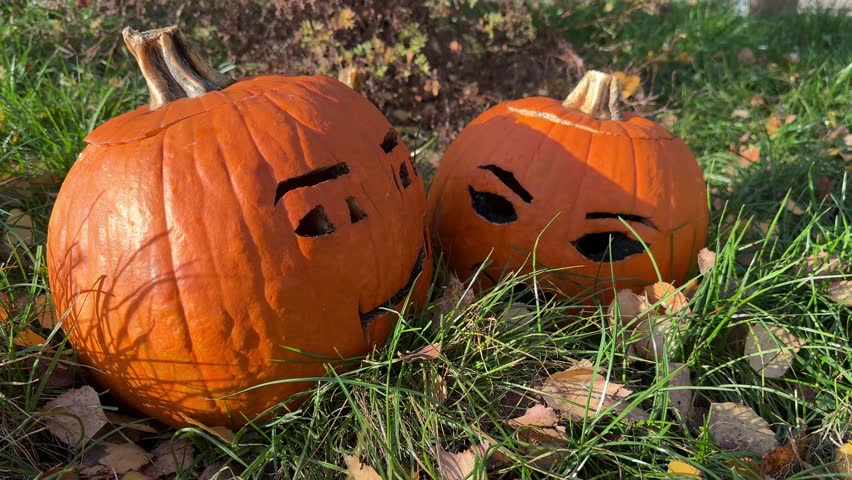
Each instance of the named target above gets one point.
<point>492,207</point>
<point>390,141</point>
<point>356,213</point>
<point>315,224</point>
<point>607,246</point>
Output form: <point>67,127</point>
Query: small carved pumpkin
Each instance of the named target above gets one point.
<point>248,234</point>
<point>574,185</point>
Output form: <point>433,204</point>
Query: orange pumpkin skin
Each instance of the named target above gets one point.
<point>563,177</point>
<point>175,246</point>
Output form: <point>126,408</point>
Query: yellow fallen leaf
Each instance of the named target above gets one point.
<point>29,338</point>
<point>222,433</point>
<point>429,352</point>
<point>666,295</point>
<point>355,470</point>
<point>795,208</point>
<point>772,125</point>
<point>684,469</point>
<point>629,83</point>
<point>843,459</point>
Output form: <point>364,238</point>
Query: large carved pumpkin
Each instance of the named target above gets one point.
<point>247,234</point>
<point>601,194</point>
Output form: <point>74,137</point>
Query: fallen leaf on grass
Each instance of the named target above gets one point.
<point>216,471</point>
<point>737,427</point>
<point>135,476</point>
<point>629,83</point>
<point>516,315</point>
<point>681,398</point>
<point>772,125</point>
<point>539,425</point>
<point>820,264</point>
<point>429,352</point>
<point>666,295</point>
<point>841,292</point>
<point>584,392</point>
<point>170,457</point>
<point>684,469</point>
<point>706,260</point>
<point>746,56</point>
<point>75,416</point>
<point>45,312</point>
<point>779,463</point>
<point>455,296</point>
<point>843,459</point>
<point>436,385</point>
<point>355,470</point>
<point>29,338</point>
<point>113,458</point>
<point>222,433</point>
<point>460,466</point>
<point>795,208</point>
<point>770,349</point>
<point>20,228</point>
<point>740,113</point>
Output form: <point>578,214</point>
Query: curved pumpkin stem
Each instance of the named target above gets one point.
<point>170,66</point>
<point>598,94</point>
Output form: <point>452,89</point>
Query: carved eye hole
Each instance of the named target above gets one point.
<point>607,246</point>
<point>403,175</point>
<point>390,141</point>
<point>492,207</point>
<point>356,213</point>
<point>315,223</point>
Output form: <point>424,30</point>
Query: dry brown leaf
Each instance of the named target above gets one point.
<point>538,425</point>
<point>582,392</point>
<point>460,466</point>
<point>629,83</point>
<point>652,335</point>
<point>684,469</point>
<point>750,153</point>
<point>429,352</point>
<point>45,312</point>
<point>737,427</point>
<point>820,264</point>
<point>537,416</point>
<point>75,416</point>
<point>437,386</point>
<point>59,377</point>
<point>746,56</point>
<point>454,296</point>
<point>222,433</point>
<point>666,295</point>
<point>740,113</point>
<point>823,187</point>
<point>20,228</point>
<point>757,100</point>
<point>170,457</point>
<point>841,292</point>
<point>681,398</point>
<point>114,458</point>
<point>795,208</point>
<point>706,260</point>
<point>629,306</point>
<point>216,471</point>
<point>843,459</point>
<point>790,119</point>
<point>355,470</point>
<point>779,463</point>
<point>772,125</point>
<point>770,349</point>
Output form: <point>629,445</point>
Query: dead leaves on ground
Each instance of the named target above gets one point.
<point>737,427</point>
<point>75,416</point>
<point>584,391</point>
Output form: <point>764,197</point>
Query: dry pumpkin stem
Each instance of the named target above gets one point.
<point>170,66</point>
<point>597,94</point>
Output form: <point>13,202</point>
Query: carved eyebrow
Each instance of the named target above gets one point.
<point>627,216</point>
<point>508,178</point>
<point>310,179</point>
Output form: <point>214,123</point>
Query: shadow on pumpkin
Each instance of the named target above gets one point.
<point>553,209</point>
<point>112,329</point>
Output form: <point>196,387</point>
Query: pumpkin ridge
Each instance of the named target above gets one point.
<point>550,117</point>
<point>190,350</point>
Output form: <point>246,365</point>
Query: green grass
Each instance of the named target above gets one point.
<point>388,411</point>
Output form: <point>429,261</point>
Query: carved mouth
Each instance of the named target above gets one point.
<point>400,295</point>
